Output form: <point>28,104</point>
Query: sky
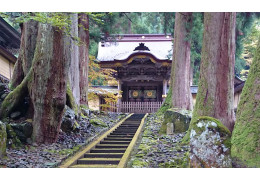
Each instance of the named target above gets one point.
<point>132,5</point>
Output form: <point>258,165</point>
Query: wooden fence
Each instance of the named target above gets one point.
<point>135,107</point>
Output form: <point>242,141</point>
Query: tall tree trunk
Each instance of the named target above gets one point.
<point>84,57</point>
<point>246,135</point>
<point>74,76</point>
<point>44,64</point>
<point>216,85</point>
<point>48,86</point>
<point>181,94</point>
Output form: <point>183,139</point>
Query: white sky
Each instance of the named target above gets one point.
<point>130,5</point>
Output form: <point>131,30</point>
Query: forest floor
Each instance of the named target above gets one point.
<point>152,151</point>
<point>157,150</point>
<point>46,156</point>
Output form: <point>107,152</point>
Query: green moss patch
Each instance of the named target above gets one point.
<point>97,122</point>
<point>3,139</point>
<point>70,101</point>
<point>167,103</point>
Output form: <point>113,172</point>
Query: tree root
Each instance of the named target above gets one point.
<point>15,98</point>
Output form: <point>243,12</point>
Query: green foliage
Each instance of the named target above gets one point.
<point>244,22</point>
<point>250,44</point>
<point>105,24</point>
<point>196,44</point>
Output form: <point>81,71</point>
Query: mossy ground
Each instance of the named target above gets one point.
<point>65,151</point>
<point>97,122</point>
<point>157,150</point>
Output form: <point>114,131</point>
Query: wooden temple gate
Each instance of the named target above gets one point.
<point>135,107</point>
<point>142,68</point>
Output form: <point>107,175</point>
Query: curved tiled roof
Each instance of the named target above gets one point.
<point>121,47</point>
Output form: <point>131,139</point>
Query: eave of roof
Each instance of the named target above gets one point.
<point>13,35</point>
<point>9,56</point>
<point>148,54</point>
<point>139,37</point>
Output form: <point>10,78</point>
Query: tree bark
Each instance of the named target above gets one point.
<point>28,43</point>
<point>48,86</point>
<point>84,57</point>
<point>216,84</point>
<point>74,77</point>
<point>181,94</point>
<point>246,135</point>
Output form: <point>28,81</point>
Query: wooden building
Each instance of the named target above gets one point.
<point>9,47</point>
<point>143,65</point>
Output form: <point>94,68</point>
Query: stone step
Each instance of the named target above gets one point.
<point>131,122</point>
<point>120,136</point>
<point>111,146</point>
<point>123,134</point>
<point>98,161</point>
<point>103,155</point>
<point>118,139</point>
<point>126,129</point>
<point>93,166</point>
<point>118,150</point>
<point>114,142</point>
<point>130,128</point>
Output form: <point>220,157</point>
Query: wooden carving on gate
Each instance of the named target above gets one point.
<point>135,93</point>
<point>150,94</point>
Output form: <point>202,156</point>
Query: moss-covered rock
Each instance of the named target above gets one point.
<point>180,119</point>
<point>69,122</point>
<point>3,139</point>
<point>13,140</point>
<point>210,144</point>
<point>23,130</point>
<point>246,134</point>
<point>97,122</point>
